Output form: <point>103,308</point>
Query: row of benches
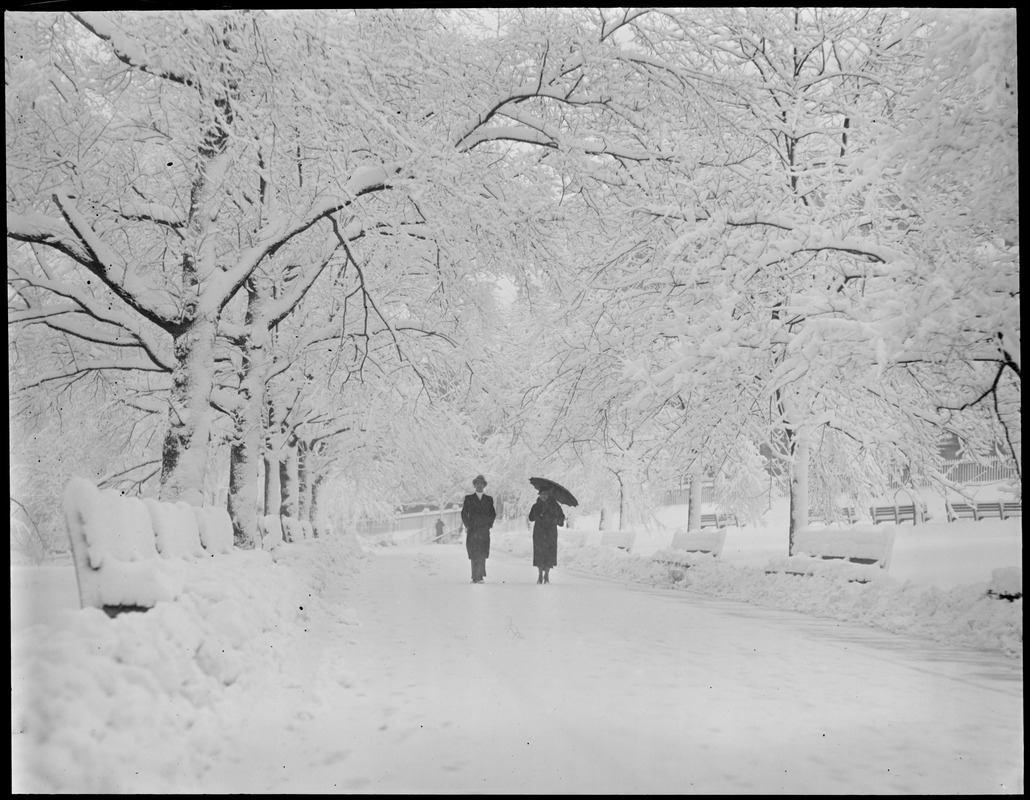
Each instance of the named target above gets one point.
<point>956,511</point>
<point>896,514</point>
<point>860,556</point>
<point>978,511</point>
<point>131,553</point>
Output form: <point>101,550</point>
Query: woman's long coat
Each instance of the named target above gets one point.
<point>478,515</point>
<point>546,516</point>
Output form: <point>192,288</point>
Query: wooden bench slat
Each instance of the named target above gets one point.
<point>979,511</point>
<point>897,514</point>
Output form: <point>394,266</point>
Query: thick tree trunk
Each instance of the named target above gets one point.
<point>304,482</point>
<point>318,522</point>
<point>248,419</point>
<point>185,450</point>
<point>695,500</point>
<point>799,486</point>
<point>273,492</point>
<point>288,506</point>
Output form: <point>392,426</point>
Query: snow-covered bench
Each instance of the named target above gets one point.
<point>979,511</point>
<point>896,514</point>
<point>131,553</point>
<point>689,548</point>
<point>957,511</point>
<point>847,515</point>
<point>720,519</point>
<point>620,539</point>
<point>860,555</point>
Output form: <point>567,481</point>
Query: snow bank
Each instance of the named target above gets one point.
<point>964,615</point>
<point>97,700</point>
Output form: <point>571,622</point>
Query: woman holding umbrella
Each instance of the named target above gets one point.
<point>546,515</point>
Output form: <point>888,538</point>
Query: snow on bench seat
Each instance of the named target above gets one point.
<point>621,539</point>
<point>131,554</point>
<point>689,548</point>
<point>857,554</point>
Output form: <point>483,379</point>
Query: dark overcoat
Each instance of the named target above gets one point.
<point>546,516</point>
<point>478,515</point>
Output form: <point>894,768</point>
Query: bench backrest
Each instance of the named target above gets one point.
<point>718,520</point>
<point>700,541</point>
<point>622,539</point>
<point>894,514</point>
<point>988,510</point>
<point>175,529</point>
<point>215,527</point>
<point>861,546</point>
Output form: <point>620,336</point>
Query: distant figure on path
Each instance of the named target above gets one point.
<point>478,515</point>
<point>546,515</point>
<point>439,530</point>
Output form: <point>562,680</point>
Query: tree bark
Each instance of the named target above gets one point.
<point>185,450</point>
<point>248,419</point>
<point>694,511</point>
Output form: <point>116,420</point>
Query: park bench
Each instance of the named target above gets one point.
<point>130,553</point>
<point>720,519</point>
<point>988,511</point>
<point>896,514</point>
<point>847,515</point>
<point>689,548</point>
<point>979,511</point>
<point>856,554</point>
<point>957,511</point>
<point>623,540</point>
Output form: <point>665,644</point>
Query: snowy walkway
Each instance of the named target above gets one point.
<point>589,686</point>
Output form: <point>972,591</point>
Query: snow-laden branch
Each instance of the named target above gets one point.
<point>95,365</point>
<point>87,248</point>
<point>128,50</point>
<point>364,180</point>
<point>535,131</point>
<point>152,212</point>
<point>87,332</point>
<point>90,307</point>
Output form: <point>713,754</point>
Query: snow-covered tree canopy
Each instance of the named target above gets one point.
<point>729,231</point>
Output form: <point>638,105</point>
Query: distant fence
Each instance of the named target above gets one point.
<point>969,472</point>
<point>417,527</point>
<point>681,496</point>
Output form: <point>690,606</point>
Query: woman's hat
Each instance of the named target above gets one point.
<point>479,479</point>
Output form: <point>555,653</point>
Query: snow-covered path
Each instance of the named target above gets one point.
<point>589,686</point>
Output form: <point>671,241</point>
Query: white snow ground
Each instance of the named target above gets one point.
<point>324,669</point>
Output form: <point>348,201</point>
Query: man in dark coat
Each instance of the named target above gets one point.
<point>478,515</point>
<point>546,515</point>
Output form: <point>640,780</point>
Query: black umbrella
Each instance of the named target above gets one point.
<point>558,492</point>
